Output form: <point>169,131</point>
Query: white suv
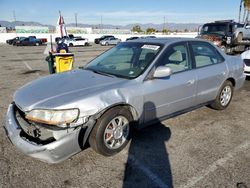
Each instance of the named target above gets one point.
<point>77,42</point>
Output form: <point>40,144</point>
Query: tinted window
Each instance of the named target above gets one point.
<point>205,54</point>
<point>176,57</point>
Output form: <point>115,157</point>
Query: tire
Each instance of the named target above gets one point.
<point>37,44</point>
<point>239,38</point>
<point>107,137</point>
<point>70,44</point>
<point>106,44</point>
<point>224,97</point>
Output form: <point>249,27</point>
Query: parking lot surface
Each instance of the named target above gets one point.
<point>202,148</point>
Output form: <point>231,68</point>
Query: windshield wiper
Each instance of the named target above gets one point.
<point>101,73</point>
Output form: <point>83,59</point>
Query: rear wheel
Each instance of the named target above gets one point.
<point>224,97</point>
<point>70,44</point>
<point>112,131</point>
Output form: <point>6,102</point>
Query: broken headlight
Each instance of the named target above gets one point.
<point>53,117</point>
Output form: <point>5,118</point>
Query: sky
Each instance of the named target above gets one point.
<point>119,12</point>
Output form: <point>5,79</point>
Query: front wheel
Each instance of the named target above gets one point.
<point>224,97</point>
<point>112,131</point>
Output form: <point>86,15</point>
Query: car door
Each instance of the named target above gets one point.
<point>210,68</point>
<point>165,96</point>
<point>25,42</point>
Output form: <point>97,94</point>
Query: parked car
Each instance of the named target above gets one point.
<point>12,41</point>
<point>246,58</point>
<point>97,40</point>
<point>30,41</point>
<point>132,38</point>
<point>110,41</point>
<point>130,86</point>
<point>77,42</point>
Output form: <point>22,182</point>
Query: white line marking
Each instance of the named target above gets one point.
<point>214,166</point>
<point>154,178</point>
<point>25,63</point>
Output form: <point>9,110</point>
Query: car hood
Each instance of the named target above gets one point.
<point>61,89</point>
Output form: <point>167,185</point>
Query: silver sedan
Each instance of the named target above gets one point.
<point>130,86</point>
<point>110,41</point>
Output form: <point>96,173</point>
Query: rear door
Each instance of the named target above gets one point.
<point>210,68</point>
<point>164,96</point>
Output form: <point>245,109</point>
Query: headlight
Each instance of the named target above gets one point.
<point>53,117</point>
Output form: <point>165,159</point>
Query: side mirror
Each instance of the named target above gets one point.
<point>162,72</point>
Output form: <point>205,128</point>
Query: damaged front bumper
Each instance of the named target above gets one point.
<point>53,152</point>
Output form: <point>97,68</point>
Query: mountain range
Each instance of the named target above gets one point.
<point>169,26</point>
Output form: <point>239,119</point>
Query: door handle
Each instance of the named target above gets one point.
<point>190,82</point>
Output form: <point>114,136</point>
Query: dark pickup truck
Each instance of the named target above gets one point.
<point>30,41</point>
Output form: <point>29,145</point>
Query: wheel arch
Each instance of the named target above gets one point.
<point>129,107</point>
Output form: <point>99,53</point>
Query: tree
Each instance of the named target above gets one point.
<point>246,4</point>
<point>150,30</point>
<point>137,29</point>
<point>164,31</point>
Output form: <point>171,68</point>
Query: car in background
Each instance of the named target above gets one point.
<point>110,41</point>
<point>97,40</point>
<point>130,86</point>
<point>148,37</point>
<point>132,38</point>
<point>77,42</point>
<point>12,41</point>
<point>30,41</point>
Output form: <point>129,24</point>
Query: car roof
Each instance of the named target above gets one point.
<point>166,40</point>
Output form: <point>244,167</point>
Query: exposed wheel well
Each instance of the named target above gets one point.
<point>232,81</point>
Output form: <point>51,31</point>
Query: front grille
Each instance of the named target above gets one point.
<point>247,62</point>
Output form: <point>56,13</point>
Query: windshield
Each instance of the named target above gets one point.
<point>126,60</point>
<point>220,29</point>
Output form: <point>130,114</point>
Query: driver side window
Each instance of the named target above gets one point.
<point>176,58</point>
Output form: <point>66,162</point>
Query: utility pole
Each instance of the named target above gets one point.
<point>241,2</point>
<point>76,19</point>
<point>14,15</point>
<point>101,22</point>
<point>164,24</point>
